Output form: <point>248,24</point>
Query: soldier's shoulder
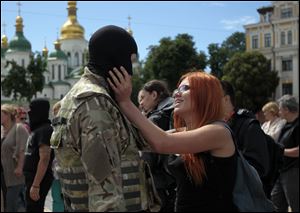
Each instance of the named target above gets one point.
<point>90,90</point>
<point>97,105</point>
<point>85,88</point>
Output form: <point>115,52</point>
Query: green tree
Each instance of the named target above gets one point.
<point>15,82</point>
<point>35,74</point>
<point>171,59</point>
<point>25,83</point>
<point>217,60</point>
<point>252,78</point>
<point>236,43</point>
<point>203,60</point>
<point>137,84</point>
<point>221,54</point>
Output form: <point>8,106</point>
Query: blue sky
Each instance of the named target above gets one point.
<point>207,21</point>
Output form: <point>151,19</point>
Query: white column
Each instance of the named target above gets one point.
<point>296,76</point>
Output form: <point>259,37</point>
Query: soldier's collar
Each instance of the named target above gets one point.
<point>97,79</point>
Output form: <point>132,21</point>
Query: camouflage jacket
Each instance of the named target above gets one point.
<point>96,147</point>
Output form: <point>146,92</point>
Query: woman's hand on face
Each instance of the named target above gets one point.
<point>121,84</point>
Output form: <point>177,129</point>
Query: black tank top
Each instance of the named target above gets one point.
<point>214,194</point>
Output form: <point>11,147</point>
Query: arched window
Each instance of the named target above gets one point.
<point>77,58</point>
<point>69,59</point>
<point>53,72</point>
<point>289,37</point>
<point>59,72</point>
<point>255,42</point>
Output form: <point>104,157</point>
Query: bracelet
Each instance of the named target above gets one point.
<point>35,186</point>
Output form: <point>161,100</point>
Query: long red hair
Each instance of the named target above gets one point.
<point>206,100</point>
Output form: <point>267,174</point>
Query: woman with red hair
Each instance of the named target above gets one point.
<point>205,163</point>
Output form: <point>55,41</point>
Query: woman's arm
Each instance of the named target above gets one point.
<point>19,169</point>
<point>21,137</point>
<point>208,137</point>
<point>45,156</point>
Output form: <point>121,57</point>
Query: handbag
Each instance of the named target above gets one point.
<point>248,194</point>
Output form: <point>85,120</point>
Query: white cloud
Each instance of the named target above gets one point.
<point>218,4</point>
<point>238,23</point>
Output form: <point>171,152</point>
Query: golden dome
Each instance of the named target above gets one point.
<point>19,42</point>
<point>19,24</point>
<point>4,41</point>
<point>71,28</point>
<point>45,51</point>
<point>58,53</point>
<point>57,44</point>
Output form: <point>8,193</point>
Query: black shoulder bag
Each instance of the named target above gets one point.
<point>248,194</point>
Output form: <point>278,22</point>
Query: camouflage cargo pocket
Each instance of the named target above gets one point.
<point>112,143</point>
<point>95,157</point>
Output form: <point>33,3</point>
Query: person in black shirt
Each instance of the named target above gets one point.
<point>38,156</point>
<point>286,190</point>
<point>250,137</point>
<point>157,105</point>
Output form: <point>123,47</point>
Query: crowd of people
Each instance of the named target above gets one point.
<point>100,152</point>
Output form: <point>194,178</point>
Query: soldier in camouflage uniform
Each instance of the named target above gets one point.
<point>95,145</point>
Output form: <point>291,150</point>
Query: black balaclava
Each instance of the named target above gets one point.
<point>38,113</point>
<point>110,47</point>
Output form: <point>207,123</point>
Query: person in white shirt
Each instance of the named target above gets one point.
<point>273,124</point>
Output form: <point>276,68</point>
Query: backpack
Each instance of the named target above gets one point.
<point>275,151</point>
<point>248,194</point>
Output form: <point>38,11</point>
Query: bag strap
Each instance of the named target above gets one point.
<point>223,123</point>
<point>233,138</point>
<point>218,183</point>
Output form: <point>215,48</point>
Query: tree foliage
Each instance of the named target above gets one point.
<point>236,43</point>
<point>202,60</point>
<point>173,58</point>
<point>25,83</point>
<point>15,82</point>
<point>35,70</point>
<point>221,54</point>
<point>137,84</point>
<point>252,78</point>
<point>217,60</point>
